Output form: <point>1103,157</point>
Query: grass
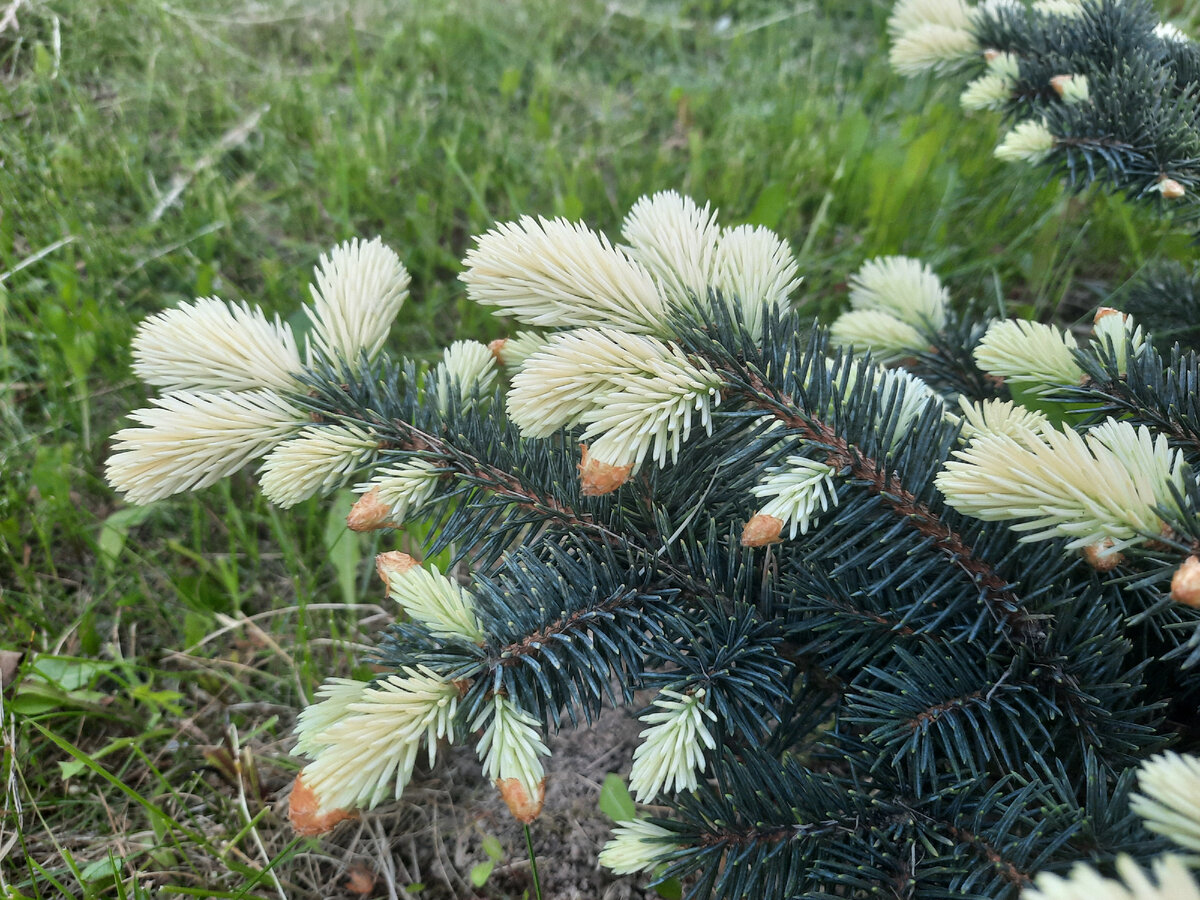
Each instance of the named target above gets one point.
<point>152,152</point>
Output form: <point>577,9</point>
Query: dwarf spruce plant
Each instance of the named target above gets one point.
<point>907,605</point>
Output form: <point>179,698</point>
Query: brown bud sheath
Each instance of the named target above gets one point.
<point>360,880</point>
<point>990,54</point>
<point>304,811</point>
<point>1059,83</point>
<point>369,513</point>
<point>497,348</point>
<point>762,530</point>
<point>599,478</point>
<point>1185,584</point>
<point>392,561</point>
<point>523,807</point>
<point>1100,557</point>
<point>1103,311</point>
<point>1171,189</point>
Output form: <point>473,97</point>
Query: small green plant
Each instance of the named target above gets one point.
<point>482,871</point>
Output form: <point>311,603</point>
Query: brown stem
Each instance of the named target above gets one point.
<point>511,655</point>
<point>935,711</point>
<point>842,455</point>
<point>1008,870</point>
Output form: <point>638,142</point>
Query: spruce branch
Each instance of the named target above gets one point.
<point>1100,90</point>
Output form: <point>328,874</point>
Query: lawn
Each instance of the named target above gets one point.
<point>154,658</point>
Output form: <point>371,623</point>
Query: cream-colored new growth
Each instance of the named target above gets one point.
<point>319,459</point>
<point>757,267</point>
<point>1028,353</point>
<point>676,241</point>
<point>1067,485</point>
<point>471,366</point>
<point>636,845</point>
<point>191,440</point>
<point>405,487</point>
<point>930,47</point>
<point>559,274</point>
<point>360,287</point>
<point>335,697</point>
<point>648,411</point>
<point>671,754</point>
<point>1169,802</point>
<point>374,747</point>
<point>910,14</point>
<point>634,392</point>
<point>886,337</point>
<point>1000,417</point>
<point>213,345</point>
<point>1174,882</point>
<point>1030,141</point>
<point>511,745</point>
<point>798,492</point>
<point>439,603</point>
<point>904,288</point>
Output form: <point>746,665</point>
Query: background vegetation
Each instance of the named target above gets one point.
<point>151,152</point>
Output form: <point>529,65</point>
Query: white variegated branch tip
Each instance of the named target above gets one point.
<point>559,274</point>
<point>797,493</point>
<point>671,754</point>
<point>511,748</point>
<point>650,414</point>
<point>1004,64</point>
<point>676,241</point>
<point>318,460</point>
<point>1168,32</point>
<point>1071,88</point>
<point>757,267</point>
<point>469,365</point>
<point>1171,881</point>
<point>988,91</point>
<point>994,8</point>
<point>1028,353</point>
<point>910,14</point>
<point>439,603</point>
<point>333,704</point>
<point>904,288</point>
<point>367,752</point>
<point>887,338</point>
<point>1030,141</point>
<point>637,395</point>
<point>190,440</point>
<point>400,491</point>
<point>211,345</point>
<point>1000,417</point>
<point>1068,9</point>
<point>1104,487</point>
<point>637,845</point>
<point>931,47</point>
<point>559,382</point>
<point>1169,802</point>
<point>360,287</point>
<point>914,395</point>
